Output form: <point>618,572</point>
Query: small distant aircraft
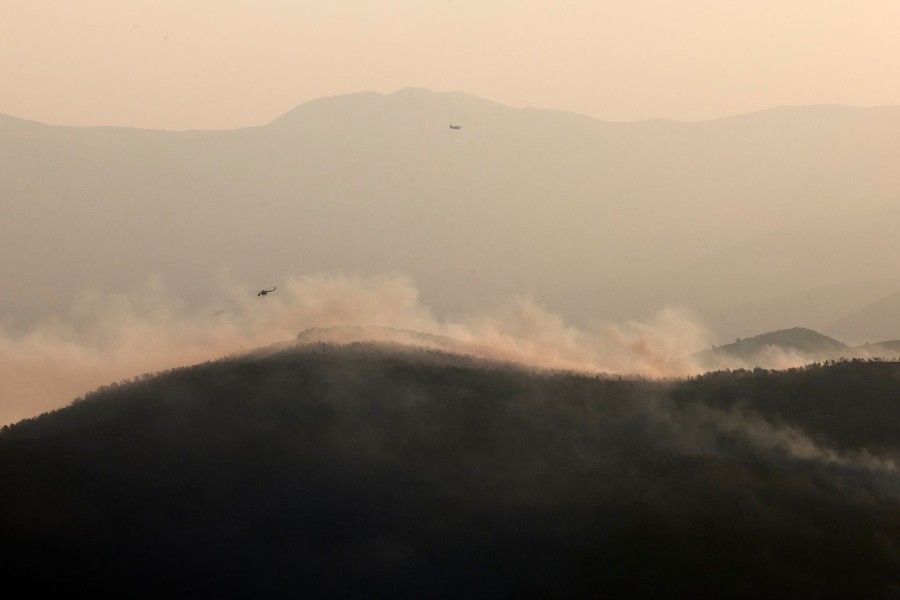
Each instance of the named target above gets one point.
<point>452,126</point>
<point>265,292</point>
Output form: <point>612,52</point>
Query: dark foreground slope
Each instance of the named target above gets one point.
<point>367,471</point>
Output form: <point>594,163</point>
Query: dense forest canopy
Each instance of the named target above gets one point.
<point>377,470</point>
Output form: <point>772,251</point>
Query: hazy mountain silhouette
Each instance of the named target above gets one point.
<point>596,219</point>
<point>814,307</point>
<point>876,320</point>
<point>886,349</point>
<point>380,471</point>
<point>766,349</point>
<point>788,347</point>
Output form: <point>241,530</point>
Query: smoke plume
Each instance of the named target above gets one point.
<point>106,338</point>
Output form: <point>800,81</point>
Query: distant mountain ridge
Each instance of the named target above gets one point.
<point>802,111</point>
<point>596,220</point>
<point>777,349</point>
<point>872,321</point>
<point>886,349</point>
<point>796,338</point>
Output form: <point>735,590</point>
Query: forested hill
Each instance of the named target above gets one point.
<point>380,471</point>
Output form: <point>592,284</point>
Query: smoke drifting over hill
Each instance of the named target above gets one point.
<point>107,338</point>
<point>366,471</point>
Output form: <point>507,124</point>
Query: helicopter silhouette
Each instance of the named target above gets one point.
<point>265,292</point>
<point>452,126</point>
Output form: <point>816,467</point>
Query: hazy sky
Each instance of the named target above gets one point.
<point>227,63</point>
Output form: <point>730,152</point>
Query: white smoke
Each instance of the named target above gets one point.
<point>111,337</point>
